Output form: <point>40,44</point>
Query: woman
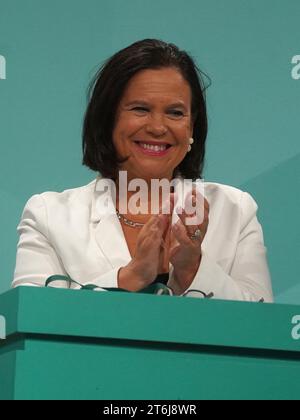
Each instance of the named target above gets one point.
<point>146,119</point>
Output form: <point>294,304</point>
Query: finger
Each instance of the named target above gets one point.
<point>165,258</point>
<point>200,216</point>
<point>156,221</point>
<point>173,200</point>
<point>168,206</point>
<point>174,251</point>
<point>206,204</point>
<point>194,210</point>
<point>164,221</point>
<point>153,229</point>
<point>190,228</point>
<point>193,199</point>
<point>152,221</point>
<point>166,237</point>
<point>199,199</point>
<point>153,237</point>
<point>181,235</point>
<point>166,244</point>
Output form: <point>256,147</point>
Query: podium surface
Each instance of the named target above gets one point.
<point>66,344</point>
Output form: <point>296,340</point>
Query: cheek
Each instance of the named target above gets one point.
<point>125,127</point>
<point>183,132</point>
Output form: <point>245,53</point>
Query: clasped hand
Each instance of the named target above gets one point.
<point>159,243</point>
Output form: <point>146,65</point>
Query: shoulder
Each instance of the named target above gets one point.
<point>217,191</point>
<point>69,194</point>
<point>230,199</point>
<point>52,200</point>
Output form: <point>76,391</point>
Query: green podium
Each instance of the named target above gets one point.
<point>64,344</point>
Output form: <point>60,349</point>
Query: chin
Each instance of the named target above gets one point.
<point>155,175</point>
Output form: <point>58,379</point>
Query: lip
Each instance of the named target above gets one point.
<point>152,152</point>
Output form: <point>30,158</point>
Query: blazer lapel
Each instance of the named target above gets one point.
<point>108,230</point>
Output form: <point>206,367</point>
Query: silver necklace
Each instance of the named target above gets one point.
<point>129,222</point>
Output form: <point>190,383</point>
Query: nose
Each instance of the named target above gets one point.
<point>156,126</point>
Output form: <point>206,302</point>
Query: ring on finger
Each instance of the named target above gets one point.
<point>197,235</point>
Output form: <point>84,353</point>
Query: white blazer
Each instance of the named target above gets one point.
<point>66,233</point>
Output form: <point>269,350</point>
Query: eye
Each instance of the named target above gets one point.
<point>139,109</point>
<point>176,113</point>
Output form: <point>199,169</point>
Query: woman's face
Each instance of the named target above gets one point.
<point>155,109</point>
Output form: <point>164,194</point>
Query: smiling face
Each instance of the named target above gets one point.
<point>154,123</point>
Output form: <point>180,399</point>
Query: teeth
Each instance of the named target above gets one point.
<point>152,147</point>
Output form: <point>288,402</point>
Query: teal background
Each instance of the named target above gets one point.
<point>52,50</point>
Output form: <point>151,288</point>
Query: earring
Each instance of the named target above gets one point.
<point>191,141</point>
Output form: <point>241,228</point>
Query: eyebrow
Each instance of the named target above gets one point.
<point>140,102</point>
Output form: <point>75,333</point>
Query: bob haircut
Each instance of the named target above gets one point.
<point>106,91</point>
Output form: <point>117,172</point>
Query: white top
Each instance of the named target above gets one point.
<point>68,233</point>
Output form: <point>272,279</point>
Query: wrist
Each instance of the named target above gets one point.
<point>129,279</point>
<point>184,277</point>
